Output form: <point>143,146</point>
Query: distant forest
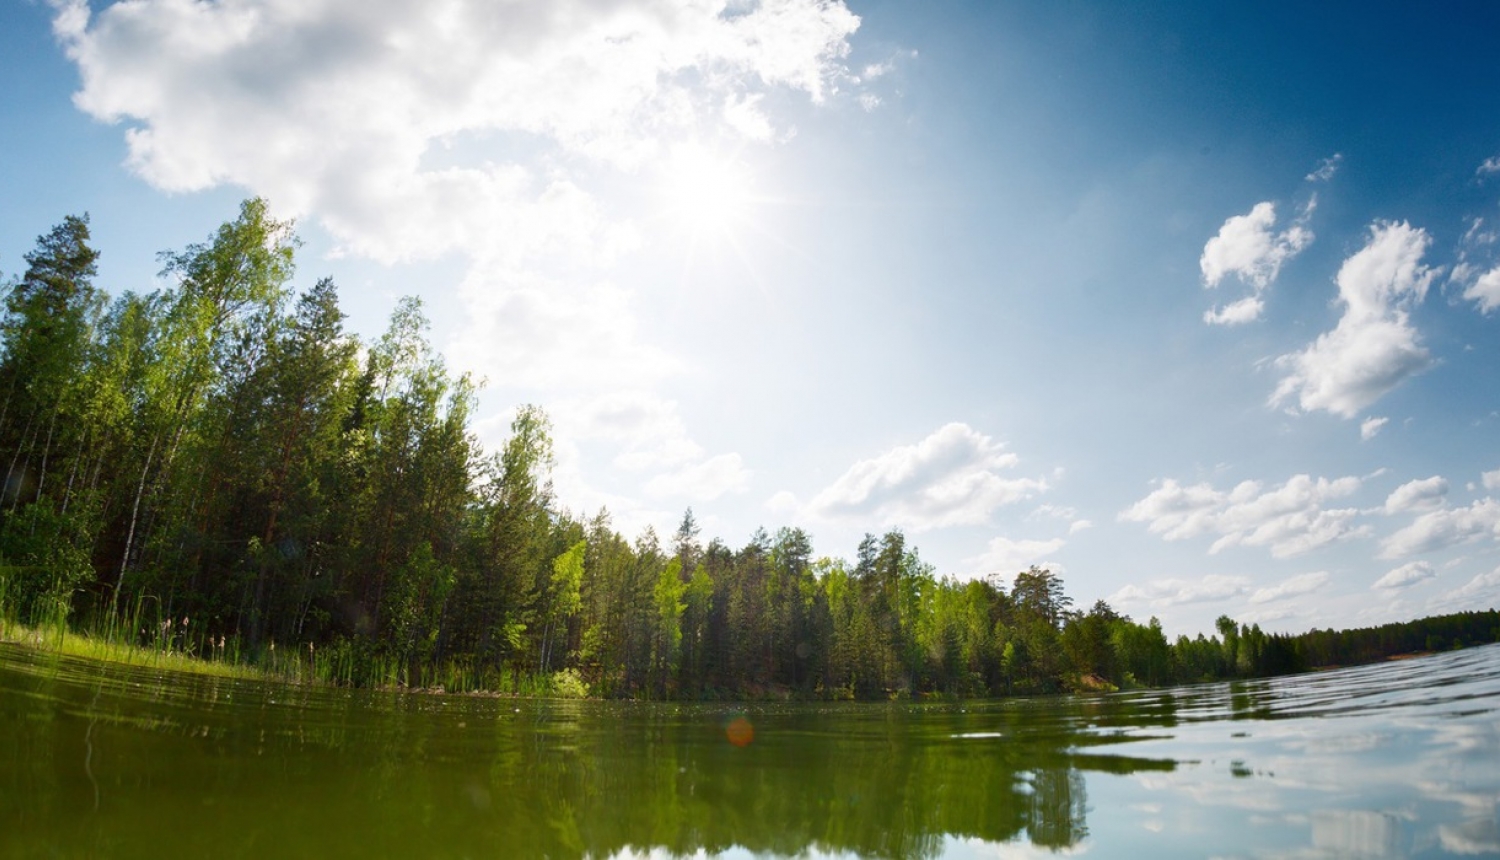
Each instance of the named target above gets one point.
<point>218,467</point>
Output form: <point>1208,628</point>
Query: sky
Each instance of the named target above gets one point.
<point>1197,305</point>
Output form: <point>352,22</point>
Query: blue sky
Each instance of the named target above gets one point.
<point>1198,304</point>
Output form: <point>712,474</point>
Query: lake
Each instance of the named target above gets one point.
<point>1396,760</point>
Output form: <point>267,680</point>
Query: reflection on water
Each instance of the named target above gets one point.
<point>1397,760</point>
<point>1345,832</point>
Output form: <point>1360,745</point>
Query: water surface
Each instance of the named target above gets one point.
<point>1396,760</point>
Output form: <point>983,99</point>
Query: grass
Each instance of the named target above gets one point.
<point>138,635</point>
<point>57,638</point>
<point>160,644</point>
<point>345,664</point>
<point>72,644</point>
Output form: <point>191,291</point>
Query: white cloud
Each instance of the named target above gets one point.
<point>897,59</point>
<point>1069,515</point>
<point>414,131</point>
<point>1004,555</point>
<point>320,104</point>
<point>1444,528</point>
<point>1371,426</point>
<point>1057,512</point>
<point>703,481</point>
<point>628,514</point>
<point>647,431</point>
<point>1162,593</point>
<point>649,437</point>
<point>1290,519</point>
<point>1480,279</point>
<point>1176,512</point>
<point>1405,576</point>
<point>783,503</point>
<point>1245,310</point>
<point>1481,592</point>
<point>1268,615</point>
<point>1326,168</point>
<point>1422,495</point>
<point>533,332</point>
<point>1304,583</point>
<point>1374,346</point>
<point>743,113</point>
<point>1485,290</point>
<point>953,477</point>
<point>1247,248</point>
<point>1490,165</point>
<point>1491,480</point>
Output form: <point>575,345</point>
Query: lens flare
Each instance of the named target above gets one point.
<point>740,732</point>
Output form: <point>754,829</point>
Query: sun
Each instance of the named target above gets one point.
<point>704,193</point>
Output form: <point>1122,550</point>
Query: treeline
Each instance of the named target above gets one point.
<point>217,466</point>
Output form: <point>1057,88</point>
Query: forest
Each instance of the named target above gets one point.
<point>218,467</point>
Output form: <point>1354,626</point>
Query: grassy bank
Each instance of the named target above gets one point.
<point>58,639</point>
<point>139,639</point>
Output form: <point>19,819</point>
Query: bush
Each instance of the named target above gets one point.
<point>41,565</point>
<point>568,684</point>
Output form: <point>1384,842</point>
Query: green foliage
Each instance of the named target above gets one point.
<point>43,563</point>
<point>209,469</point>
<point>418,594</point>
<point>669,608</point>
<point>568,684</point>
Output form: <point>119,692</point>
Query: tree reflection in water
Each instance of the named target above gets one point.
<point>102,758</point>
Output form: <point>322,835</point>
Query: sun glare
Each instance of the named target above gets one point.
<point>704,192</point>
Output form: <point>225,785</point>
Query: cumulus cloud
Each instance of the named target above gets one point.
<point>1374,347</point>
<point>1491,480</point>
<point>1443,528</point>
<point>1162,593</point>
<point>1490,165</point>
<point>1371,426</point>
<point>1248,248</point>
<point>1405,576</point>
<point>1290,519</point>
<point>414,131</point>
<point>325,102</point>
<point>1296,586</point>
<point>1004,555</point>
<point>1423,495</point>
<point>1244,310</point>
<point>956,476</point>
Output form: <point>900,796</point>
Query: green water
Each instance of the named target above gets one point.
<point>1397,760</point>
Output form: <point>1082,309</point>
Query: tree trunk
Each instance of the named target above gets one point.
<point>135,511</point>
<point>46,452</point>
<point>10,472</point>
